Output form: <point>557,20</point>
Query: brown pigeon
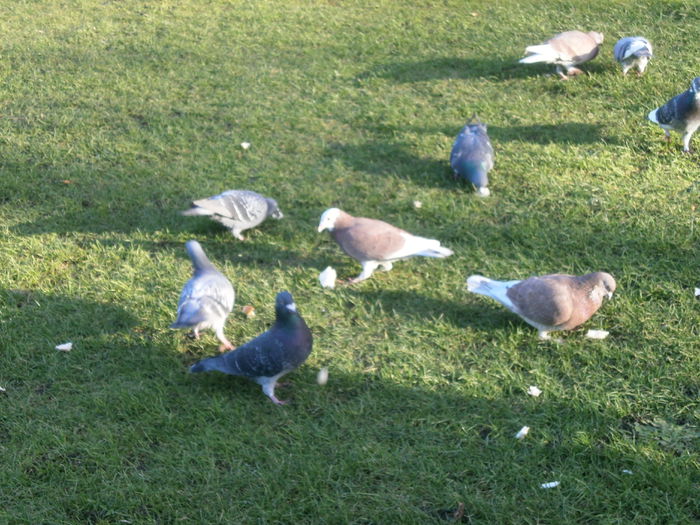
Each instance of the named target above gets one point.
<point>549,302</point>
<point>566,50</point>
<point>376,243</point>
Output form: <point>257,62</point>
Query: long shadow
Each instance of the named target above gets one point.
<point>565,132</point>
<point>452,67</point>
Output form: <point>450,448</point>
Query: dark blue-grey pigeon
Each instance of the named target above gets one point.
<point>265,359</point>
<point>238,210</point>
<point>472,155</point>
<point>681,114</point>
<point>633,51</point>
<point>206,299</point>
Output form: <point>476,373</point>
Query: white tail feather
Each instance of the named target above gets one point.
<point>439,251</point>
<point>652,116</point>
<point>495,289</point>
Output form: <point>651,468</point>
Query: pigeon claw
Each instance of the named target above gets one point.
<point>278,401</point>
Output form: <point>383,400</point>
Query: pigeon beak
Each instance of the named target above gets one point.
<point>321,227</point>
<point>610,295</point>
<point>292,307</point>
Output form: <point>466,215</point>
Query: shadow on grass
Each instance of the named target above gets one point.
<point>451,67</point>
<point>565,133</point>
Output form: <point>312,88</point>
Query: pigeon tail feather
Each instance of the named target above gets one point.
<point>652,116</point>
<point>212,363</point>
<point>538,57</point>
<point>196,211</point>
<point>438,251</point>
<point>495,289</point>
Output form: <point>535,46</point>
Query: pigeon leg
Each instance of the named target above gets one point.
<point>686,142</point>
<point>386,266</point>
<point>269,389</point>
<point>561,74</point>
<point>543,335</point>
<point>237,234</point>
<point>368,268</point>
<point>668,135</point>
<point>196,333</point>
<point>573,71</point>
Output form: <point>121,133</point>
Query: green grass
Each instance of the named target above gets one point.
<point>113,115</point>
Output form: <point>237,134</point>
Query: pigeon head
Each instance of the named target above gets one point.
<point>284,305</point>
<point>695,86</point>
<point>328,219</point>
<point>273,210</point>
<point>598,37</point>
<point>603,284</point>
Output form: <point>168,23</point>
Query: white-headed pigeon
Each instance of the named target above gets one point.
<point>633,51</point>
<point>376,243</point>
<point>238,210</point>
<point>472,155</point>
<point>265,359</point>
<point>549,302</point>
<point>565,50</point>
<point>681,114</point>
<point>206,299</point>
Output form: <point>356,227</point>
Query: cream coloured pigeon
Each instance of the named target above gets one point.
<point>681,114</point>
<point>206,299</point>
<point>238,210</point>
<point>265,359</point>
<point>472,155</point>
<point>376,243</point>
<point>566,50</point>
<point>549,302</point>
<point>633,51</point>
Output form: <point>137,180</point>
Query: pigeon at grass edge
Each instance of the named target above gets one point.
<point>633,51</point>
<point>274,353</point>
<point>472,155</point>
<point>238,210</point>
<point>565,50</point>
<point>375,243</point>
<point>681,114</point>
<point>549,302</point>
<point>206,299</point>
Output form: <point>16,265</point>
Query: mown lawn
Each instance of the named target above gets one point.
<point>114,115</point>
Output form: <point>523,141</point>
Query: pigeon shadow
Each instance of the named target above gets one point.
<point>565,133</point>
<point>451,68</point>
<point>386,158</point>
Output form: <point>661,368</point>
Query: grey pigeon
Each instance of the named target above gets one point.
<point>283,348</point>
<point>633,51</point>
<point>681,114</point>
<point>566,50</point>
<point>238,210</point>
<point>206,299</point>
<point>472,155</point>
<point>376,243</point>
<point>549,302</point>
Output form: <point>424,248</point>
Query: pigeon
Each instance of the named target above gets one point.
<point>681,113</point>
<point>566,50</point>
<point>472,155</point>
<point>238,210</point>
<point>549,302</point>
<point>206,299</point>
<point>376,243</point>
<point>633,51</point>
<point>283,348</point>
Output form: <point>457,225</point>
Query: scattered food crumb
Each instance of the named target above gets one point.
<point>417,204</point>
<point>534,391</point>
<point>249,311</point>
<point>597,334</point>
<point>327,277</point>
<point>245,145</point>
<point>474,13</point>
<point>522,432</point>
<point>65,347</point>
<point>66,181</point>
<point>550,485</point>
<point>322,376</point>
<point>626,471</point>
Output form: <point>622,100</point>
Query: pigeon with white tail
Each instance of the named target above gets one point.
<point>681,114</point>
<point>566,50</point>
<point>375,243</point>
<point>206,299</point>
<point>265,359</point>
<point>550,302</point>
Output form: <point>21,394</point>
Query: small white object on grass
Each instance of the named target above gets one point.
<point>65,347</point>
<point>322,376</point>
<point>2,390</point>
<point>550,485</point>
<point>245,145</point>
<point>697,292</point>
<point>597,334</point>
<point>328,277</point>
<point>522,432</point>
<point>534,391</point>
<point>626,471</point>
<point>417,204</point>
